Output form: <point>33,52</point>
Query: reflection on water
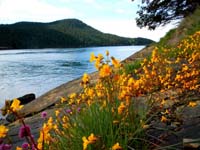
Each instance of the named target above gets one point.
<point>40,70</point>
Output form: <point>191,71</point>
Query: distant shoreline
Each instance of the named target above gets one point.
<point>9,48</point>
<point>5,48</point>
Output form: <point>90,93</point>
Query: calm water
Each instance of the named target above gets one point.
<point>40,70</point>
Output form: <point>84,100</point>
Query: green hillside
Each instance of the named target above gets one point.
<point>59,34</point>
<point>187,26</point>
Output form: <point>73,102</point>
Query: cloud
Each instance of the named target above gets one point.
<point>121,11</point>
<point>64,1</point>
<point>32,10</point>
<point>89,1</point>
<point>94,4</point>
<point>128,28</point>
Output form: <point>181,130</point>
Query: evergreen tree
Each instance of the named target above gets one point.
<point>154,13</point>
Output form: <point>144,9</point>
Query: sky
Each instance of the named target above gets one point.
<point>109,16</point>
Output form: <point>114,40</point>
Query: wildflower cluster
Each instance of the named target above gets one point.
<point>106,114</point>
<point>98,112</point>
<point>113,94</point>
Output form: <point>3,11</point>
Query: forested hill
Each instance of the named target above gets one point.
<point>59,34</point>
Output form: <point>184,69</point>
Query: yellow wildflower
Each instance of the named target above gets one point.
<point>65,119</point>
<point>92,57</point>
<point>85,143</point>
<point>3,131</point>
<point>192,104</point>
<point>92,138</point>
<point>154,56</point>
<point>85,78</point>
<point>98,61</point>
<point>115,62</point>
<point>185,68</point>
<point>163,119</point>
<point>39,145</point>
<point>121,108</point>
<point>166,111</point>
<point>57,112</point>
<point>130,81</point>
<point>45,136</point>
<point>105,71</point>
<point>107,53</point>
<point>63,99</point>
<point>97,65</point>
<point>91,92</point>
<point>178,77</point>
<point>65,125</point>
<point>163,102</point>
<point>15,106</point>
<point>73,95</point>
<point>100,57</point>
<point>50,122</point>
<point>117,147</point>
<point>89,102</point>
<point>55,127</point>
<point>18,148</point>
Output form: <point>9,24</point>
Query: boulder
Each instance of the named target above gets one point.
<point>27,98</point>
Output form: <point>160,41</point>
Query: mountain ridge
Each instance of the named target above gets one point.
<point>60,34</point>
